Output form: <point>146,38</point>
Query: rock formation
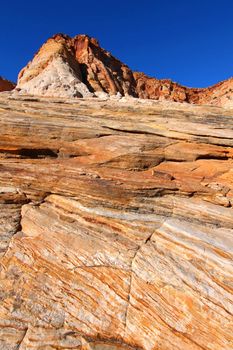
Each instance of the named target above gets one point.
<point>6,85</point>
<point>220,94</point>
<point>53,72</point>
<point>79,67</point>
<point>116,224</point>
<point>68,67</point>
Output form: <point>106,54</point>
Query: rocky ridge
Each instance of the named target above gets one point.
<point>116,225</point>
<point>220,94</point>
<point>79,67</point>
<point>75,67</point>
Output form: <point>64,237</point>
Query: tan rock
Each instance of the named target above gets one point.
<point>53,72</point>
<point>116,225</point>
<point>79,67</point>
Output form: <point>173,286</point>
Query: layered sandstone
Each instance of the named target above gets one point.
<point>6,85</point>
<point>116,225</point>
<point>79,67</point>
<point>66,67</point>
<point>53,72</point>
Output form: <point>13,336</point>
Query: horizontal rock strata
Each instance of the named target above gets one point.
<point>116,225</point>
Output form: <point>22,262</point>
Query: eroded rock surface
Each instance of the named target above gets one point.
<point>75,67</point>
<point>53,72</point>
<point>79,67</point>
<point>220,94</point>
<point>116,225</point>
<point>6,85</point>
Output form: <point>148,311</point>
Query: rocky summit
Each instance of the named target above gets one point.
<point>79,67</point>
<point>116,216</point>
<point>75,67</point>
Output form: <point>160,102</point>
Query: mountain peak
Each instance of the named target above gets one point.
<point>80,67</point>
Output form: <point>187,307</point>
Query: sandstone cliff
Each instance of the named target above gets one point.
<point>79,67</point>
<point>116,225</point>
<point>6,85</point>
<point>75,67</point>
<point>53,72</point>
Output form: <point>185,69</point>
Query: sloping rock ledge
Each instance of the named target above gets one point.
<point>116,225</point>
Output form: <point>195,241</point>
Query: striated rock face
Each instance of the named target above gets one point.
<point>77,67</point>
<point>53,72</point>
<point>6,85</point>
<point>116,225</point>
<point>101,71</point>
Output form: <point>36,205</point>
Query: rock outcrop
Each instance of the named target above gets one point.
<point>79,67</point>
<point>53,72</point>
<point>6,85</point>
<point>116,225</point>
<point>220,94</point>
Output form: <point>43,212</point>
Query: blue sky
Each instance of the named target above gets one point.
<point>189,41</point>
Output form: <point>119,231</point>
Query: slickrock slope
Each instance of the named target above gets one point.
<point>6,85</point>
<point>116,225</point>
<point>79,67</point>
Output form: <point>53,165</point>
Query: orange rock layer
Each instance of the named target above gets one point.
<point>220,94</point>
<point>67,62</point>
<point>116,225</point>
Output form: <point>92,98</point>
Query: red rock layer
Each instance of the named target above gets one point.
<point>156,89</point>
<point>101,72</point>
<point>6,85</point>
<point>220,94</point>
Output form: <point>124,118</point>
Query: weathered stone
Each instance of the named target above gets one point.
<point>220,94</point>
<point>6,85</point>
<point>116,225</point>
<point>79,67</point>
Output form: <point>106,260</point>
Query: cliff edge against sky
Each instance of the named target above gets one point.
<point>116,210</point>
<point>79,67</point>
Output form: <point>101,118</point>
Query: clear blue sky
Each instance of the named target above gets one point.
<point>189,41</point>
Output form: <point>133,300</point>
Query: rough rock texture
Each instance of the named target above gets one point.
<point>68,67</point>
<point>6,85</point>
<point>53,72</point>
<point>100,70</point>
<point>78,67</point>
<point>116,225</point>
<point>220,94</point>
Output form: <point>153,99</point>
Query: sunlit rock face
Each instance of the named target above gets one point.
<point>220,94</point>
<point>6,85</point>
<point>80,67</point>
<point>75,67</point>
<point>116,225</point>
<point>53,72</point>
